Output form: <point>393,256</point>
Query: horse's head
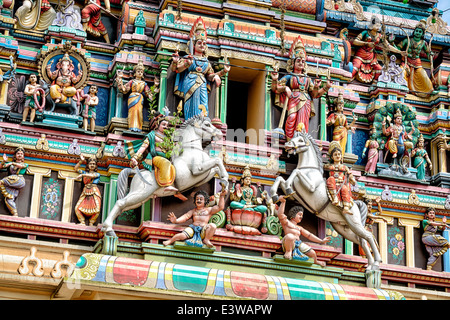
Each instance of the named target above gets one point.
<point>205,129</point>
<point>298,144</point>
<point>201,127</point>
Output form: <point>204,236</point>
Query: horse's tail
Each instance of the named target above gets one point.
<point>362,206</point>
<point>122,182</point>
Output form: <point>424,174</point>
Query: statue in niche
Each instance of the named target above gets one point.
<point>372,156</point>
<point>11,185</point>
<point>435,244</point>
<point>135,103</point>
<point>399,141</point>
<point>295,91</point>
<point>247,210</point>
<point>90,201</point>
<point>91,18</point>
<point>293,247</point>
<point>195,73</point>
<point>89,111</point>
<point>64,79</point>
<point>34,95</point>
<point>339,121</point>
<point>200,231</point>
<point>417,48</point>
<point>64,72</point>
<point>421,158</point>
<point>35,15</point>
<point>339,180</point>
<point>395,128</point>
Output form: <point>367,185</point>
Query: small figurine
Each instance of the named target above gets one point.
<point>200,231</point>
<point>372,156</point>
<point>64,79</point>
<point>420,155</point>
<point>435,244</point>
<point>339,120</point>
<point>370,220</point>
<point>89,112</point>
<point>295,91</point>
<point>293,247</point>
<point>90,201</point>
<point>33,97</point>
<point>10,185</point>
<point>397,144</point>
<point>338,183</point>
<point>138,88</point>
<point>91,18</point>
<point>245,197</point>
<point>194,72</point>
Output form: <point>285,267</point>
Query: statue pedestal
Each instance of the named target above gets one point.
<point>373,279</point>
<point>54,119</point>
<point>245,222</point>
<point>180,245</point>
<point>107,245</point>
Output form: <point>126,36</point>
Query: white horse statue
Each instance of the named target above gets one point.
<point>308,186</point>
<point>193,167</point>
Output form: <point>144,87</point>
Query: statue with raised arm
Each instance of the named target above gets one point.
<point>195,73</point>
<point>200,231</point>
<point>295,91</point>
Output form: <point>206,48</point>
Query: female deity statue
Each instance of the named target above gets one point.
<point>415,75</point>
<point>194,72</point>
<point>295,91</point>
<point>435,244</point>
<point>339,120</point>
<point>138,89</point>
<point>10,185</point>
<point>339,180</point>
<point>245,196</point>
<point>372,156</point>
<point>38,15</point>
<point>397,143</point>
<point>420,156</point>
<point>91,19</point>
<point>90,200</point>
<point>64,79</point>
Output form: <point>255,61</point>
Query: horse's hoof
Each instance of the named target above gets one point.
<point>275,198</point>
<point>110,233</point>
<point>289,191</point>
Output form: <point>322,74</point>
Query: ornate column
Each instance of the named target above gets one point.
<point>164,66</point>
<point>69,181</point>
<point>38,173</point>
<point>268,102</point>
<point>409,225</point>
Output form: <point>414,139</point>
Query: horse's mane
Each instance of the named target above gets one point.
<point>311,140</point>
<point>192,120</point>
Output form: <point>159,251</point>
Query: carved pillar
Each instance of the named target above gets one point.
<point>223,98</point>
<point>442,156</point>
<point>164,64</point>
<point>382,237</point>
<point>446,256</point>
<point>268,102</point>
<point>409,239</point>
<point>38,173</point>
<point>69,181</point>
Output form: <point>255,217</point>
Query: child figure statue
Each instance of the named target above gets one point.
<point>200,231</point>
<point>293,247</point>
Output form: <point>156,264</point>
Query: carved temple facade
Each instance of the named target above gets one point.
<point>47,254</point>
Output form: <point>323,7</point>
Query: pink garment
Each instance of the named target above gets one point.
<point>372,157</point>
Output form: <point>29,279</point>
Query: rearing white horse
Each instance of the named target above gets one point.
<point>310,191</point>
<point>193,167</point>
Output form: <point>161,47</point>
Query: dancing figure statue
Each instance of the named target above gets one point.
<point>193,167</point>
<point>308,187</point>
<point>435,244</point>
